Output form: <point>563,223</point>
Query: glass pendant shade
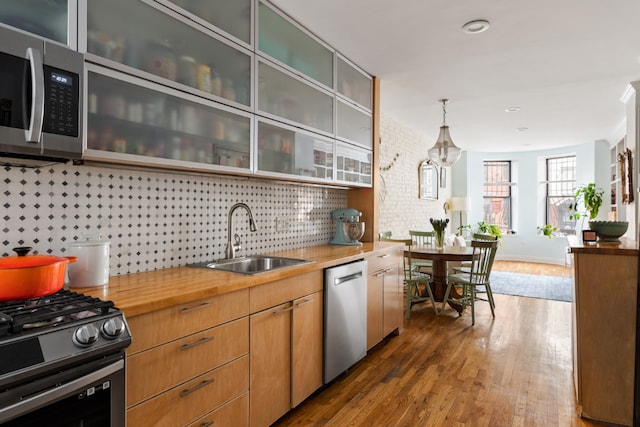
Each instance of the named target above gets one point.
<point>444,152</point>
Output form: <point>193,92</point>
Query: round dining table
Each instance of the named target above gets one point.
<point>439,259</point>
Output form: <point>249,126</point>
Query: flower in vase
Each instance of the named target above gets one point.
<point>439,224</point>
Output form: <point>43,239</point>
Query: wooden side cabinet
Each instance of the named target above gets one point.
<point>285,345</point>
<point>384,294</point>
<point>604,320</point>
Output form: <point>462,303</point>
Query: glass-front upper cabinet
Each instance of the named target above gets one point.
<point>353,165</point>
<point>154,39</point>
<point>287,42</point>
<point>354,84</point>
<point>51,19</point>
<point>288,150</point>
<point>353,124</point>
<point>285,96</point>
<point>130,120</point>
<point>231,16</point>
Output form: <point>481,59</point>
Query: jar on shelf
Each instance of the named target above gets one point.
<point>160,60</point>
<point>187,71</point>
<point>203,78</point>
<point>216,82</point>
<point>228,91</point>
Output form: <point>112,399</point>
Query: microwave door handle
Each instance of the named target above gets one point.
<point>34,133</point>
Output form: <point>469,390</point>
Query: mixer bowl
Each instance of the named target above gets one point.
<point>353,230</point>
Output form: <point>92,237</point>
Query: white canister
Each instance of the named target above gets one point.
<point>92,266</point>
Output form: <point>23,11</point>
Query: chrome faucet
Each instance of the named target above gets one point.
<point>232,247</point>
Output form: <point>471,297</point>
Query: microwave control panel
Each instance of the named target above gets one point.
<point>62,98</point>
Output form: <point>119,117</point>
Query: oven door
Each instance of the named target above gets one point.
<point>92,394</point>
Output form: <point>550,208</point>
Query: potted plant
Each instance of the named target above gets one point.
<point>548,230</point>
<point>490,229</point>
<point>591,198</point>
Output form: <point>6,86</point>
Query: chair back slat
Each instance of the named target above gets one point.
<point>484,253</point>
<point>408,267</point>
<point>421,238</point>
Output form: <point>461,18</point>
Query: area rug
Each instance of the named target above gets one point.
<point>531,285</point>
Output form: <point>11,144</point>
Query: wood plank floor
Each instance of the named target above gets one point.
<point>514,370</point>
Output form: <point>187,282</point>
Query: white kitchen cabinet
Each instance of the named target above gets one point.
<point>288,150</point>
<point>168,48</point>
<point>354,84</point>
<point>353,165</point>
<point>288,43</point>
<point>133,121</point>
<point>284,96</point>
<point>54,20</point>
<point>231,16</point>
<point>353,124</point>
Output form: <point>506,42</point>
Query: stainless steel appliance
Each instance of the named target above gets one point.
<point>62,361</point>
<point>40,100</point>
<point>345,317</point>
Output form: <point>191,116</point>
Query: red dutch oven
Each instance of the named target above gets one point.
<point>31,276</point>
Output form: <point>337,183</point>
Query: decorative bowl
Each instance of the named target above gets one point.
<point>609,231</point>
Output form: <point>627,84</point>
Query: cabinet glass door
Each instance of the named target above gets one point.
<point>45,18</point>
<point>353,165</point>
<point>282,95</point>
<point>168,46</point>
<point>288,43</point>
<point>145,123</point>
<point>231,16</point>
<point>354,84</point>
<point>285,149</point>
<point>353,124</point>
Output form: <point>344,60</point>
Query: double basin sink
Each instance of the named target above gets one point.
<point>251,264</point>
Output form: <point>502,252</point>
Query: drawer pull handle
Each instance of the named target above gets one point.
<point>284,310</point>
<point>187,391</point>
<point>188,309</point>
<point>207,423</point>
<point>384,256</point>
<point>303,302</point>
<point>382,273</point>
<point>194,344</point>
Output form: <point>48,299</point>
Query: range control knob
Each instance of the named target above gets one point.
<point>113,328</point>
<point>86,335</point>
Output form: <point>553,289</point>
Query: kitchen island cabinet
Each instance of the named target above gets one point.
<point>604,320</point>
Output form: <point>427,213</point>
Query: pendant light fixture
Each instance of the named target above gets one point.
<point>444,152</point>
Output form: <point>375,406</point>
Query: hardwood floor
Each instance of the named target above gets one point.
<point>514,370</point>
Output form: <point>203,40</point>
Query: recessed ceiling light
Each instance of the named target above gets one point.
<point>476,26</point>
<point>523,129</point>
<point>512,109</point>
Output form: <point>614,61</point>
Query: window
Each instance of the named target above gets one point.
<point>496,194</point>
<point>561,187</point>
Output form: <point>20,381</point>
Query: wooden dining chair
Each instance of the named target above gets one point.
<point>416,284</point>
<point>422,238</point>
<point>465,266</point>
<point>476,280</point>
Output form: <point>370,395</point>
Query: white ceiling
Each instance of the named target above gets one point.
<point>565,63</point>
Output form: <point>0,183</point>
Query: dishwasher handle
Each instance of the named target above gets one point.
<point>340,280</point>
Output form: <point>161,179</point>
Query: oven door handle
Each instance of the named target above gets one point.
<point>41,399</point>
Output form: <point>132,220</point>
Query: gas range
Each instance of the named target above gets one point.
<point>56,332</point>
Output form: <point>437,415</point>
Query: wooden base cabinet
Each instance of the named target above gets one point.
<point>604,321</point>
<point>285,346</point>
<point>384,294</point>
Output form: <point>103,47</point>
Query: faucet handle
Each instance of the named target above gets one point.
<point>237,245</point>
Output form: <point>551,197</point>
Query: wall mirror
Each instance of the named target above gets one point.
<point>428,181</point>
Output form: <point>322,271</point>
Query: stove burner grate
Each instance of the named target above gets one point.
<point>62,306</point>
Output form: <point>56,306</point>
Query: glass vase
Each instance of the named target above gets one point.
<point>439,239</point>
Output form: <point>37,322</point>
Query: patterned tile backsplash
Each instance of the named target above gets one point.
<point>157,220</point>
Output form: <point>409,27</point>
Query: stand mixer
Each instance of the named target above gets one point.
<point>348,227</point>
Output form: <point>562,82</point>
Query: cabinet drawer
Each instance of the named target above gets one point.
<point>274,293</point>
<point>231,414</point>
<point>383,259</point>
<point>184,358</point>
<point>158,327</point>
<point>183,404</point>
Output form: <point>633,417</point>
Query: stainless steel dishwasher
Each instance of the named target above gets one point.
<point>345,317</point>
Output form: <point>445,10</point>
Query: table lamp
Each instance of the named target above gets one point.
<point>460,204</point>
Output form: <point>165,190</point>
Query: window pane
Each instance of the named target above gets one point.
<point>497,193</point>
<point>558,214</point>
<point>561,184</point>
<point>497,211</point>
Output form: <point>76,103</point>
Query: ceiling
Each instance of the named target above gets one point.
<point>566,64</point>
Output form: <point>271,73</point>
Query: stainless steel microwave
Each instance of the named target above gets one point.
<point>40,100</point>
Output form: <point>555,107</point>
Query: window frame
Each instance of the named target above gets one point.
<point>508,199</point>
<point>550,195</point>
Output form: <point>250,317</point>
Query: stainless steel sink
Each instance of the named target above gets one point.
<point>252,264</point>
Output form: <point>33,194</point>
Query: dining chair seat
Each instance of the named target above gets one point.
<point>416,284</point>
<point>476,281</point>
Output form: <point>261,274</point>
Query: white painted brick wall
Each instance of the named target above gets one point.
<point>400,207</point>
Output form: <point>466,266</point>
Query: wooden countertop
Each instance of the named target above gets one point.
<point>141,293</point>
<point>628,247</point>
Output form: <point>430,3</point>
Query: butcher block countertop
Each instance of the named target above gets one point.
<point>628,247</point>
<point>144,292</point>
